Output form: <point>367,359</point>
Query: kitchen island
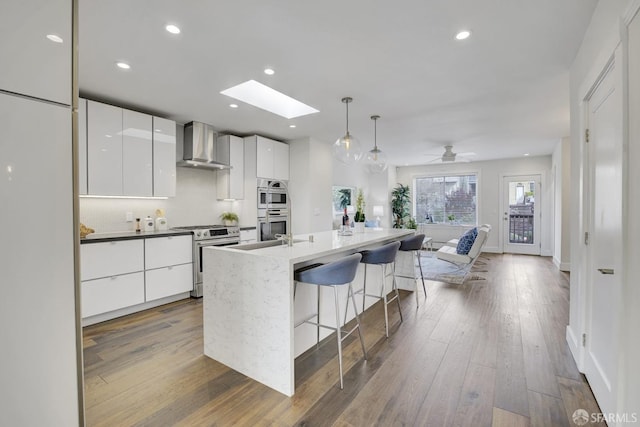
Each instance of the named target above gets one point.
<point>249,312</point>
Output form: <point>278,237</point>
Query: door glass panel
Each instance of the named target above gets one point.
<point>521,212</point>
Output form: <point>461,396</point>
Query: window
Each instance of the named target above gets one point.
<point>443,199</point>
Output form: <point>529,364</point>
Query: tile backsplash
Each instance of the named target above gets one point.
<point>195,204</point>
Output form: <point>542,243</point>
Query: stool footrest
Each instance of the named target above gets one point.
<point>306,320</point>
<point>343,334</point>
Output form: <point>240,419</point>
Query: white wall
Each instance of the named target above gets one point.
<point>310,176</point>
<point>561,184</point>
<point>489,184</point>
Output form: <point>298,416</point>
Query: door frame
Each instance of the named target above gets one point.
<point>615,50</point>
<point>544,238</point>
<point>597,380</point>
<point>537,210</point>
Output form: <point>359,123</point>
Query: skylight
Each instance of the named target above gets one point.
<point>265,98</point>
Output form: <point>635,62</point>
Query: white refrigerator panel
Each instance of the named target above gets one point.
<point>37,297</point>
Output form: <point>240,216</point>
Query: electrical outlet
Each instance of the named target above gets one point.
<point>129,216</point>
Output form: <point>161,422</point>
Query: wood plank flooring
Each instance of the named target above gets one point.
<point>486,353</point>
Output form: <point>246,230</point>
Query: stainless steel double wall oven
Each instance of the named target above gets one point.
<point>273,209</point>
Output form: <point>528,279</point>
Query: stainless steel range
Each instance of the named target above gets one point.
<point>208,235</point>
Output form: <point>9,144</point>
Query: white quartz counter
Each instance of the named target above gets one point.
<point>248,302</point>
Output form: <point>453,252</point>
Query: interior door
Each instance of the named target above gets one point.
<point>521,214</point>
<point>605,123</point>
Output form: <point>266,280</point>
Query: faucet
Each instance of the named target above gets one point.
<point>289,236</point>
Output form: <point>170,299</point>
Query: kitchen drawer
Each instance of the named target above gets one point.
<point>111,258</point>
<point>166,251</point>
<point>167,281</point>
<point>112,293</point>
<point>248,236</point>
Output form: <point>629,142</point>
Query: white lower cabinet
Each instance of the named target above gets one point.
<point>166,251</point>
<point>119,275</point>
<point>248,236</point>
<point>169,266</point>
<point>167,281</point>
<point>112,293</point>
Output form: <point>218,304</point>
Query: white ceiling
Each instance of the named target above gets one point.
<point>501,93</point>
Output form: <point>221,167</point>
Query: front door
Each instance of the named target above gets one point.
<point>521,214</point>
<point>605,123</point>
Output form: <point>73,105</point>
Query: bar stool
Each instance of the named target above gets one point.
<point>384,256</point>
<point>414,244</point>
<point>333,274</point>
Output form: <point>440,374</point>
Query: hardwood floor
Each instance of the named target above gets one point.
<point>489,352</point>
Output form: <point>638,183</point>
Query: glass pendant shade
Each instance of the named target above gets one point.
<point>347,149</point>
<point>376,160</point>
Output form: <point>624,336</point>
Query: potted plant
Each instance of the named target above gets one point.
<point>359,216</point>
<point>229,218</point>
<point>400,201</point>
<point>451,218</point>
<point>412,224</point>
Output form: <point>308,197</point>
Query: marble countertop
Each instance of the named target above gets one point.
<point>324,243</point>
<point>126,235</point>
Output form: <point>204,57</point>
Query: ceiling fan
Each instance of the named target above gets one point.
<point>449,156</point>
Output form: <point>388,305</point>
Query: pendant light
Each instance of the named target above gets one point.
<point>376,160</point>
<point>347,149</point>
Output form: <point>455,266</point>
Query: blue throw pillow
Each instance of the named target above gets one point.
<point>466,241</point>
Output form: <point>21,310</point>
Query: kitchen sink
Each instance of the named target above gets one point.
<point>265,244</point>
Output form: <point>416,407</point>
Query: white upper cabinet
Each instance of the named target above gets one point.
<point>164,157</point>
<point>264,157</point>
<point>272,159</point>
<point>231,181</point>
<point>137,154</point>
<point>104,149</point>
<point>82,145</point>
<point>31,63</point>
<point>281,161</point>
<point>128,153</point>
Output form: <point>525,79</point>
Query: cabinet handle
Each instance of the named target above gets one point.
<point>114,277</point>
<point>606,270</point>
<point>170,268</point>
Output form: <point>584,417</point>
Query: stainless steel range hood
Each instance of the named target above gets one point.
<point>200,148</point>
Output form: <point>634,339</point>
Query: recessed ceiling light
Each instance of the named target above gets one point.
<point>268,99</point>
<point>54,38</point>
<point>269,71</point>
<point>123,65</point>
<point>172,29</point>
<point>526,154</point>
<point>233,105</point>
<point>292,126</point>
<point>463,35</point>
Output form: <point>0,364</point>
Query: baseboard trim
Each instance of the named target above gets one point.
<point>492,249</point>
<point>574,347</point>
<point>132,309</point>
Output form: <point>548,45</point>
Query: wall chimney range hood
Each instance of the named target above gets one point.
<point>200,148</point>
